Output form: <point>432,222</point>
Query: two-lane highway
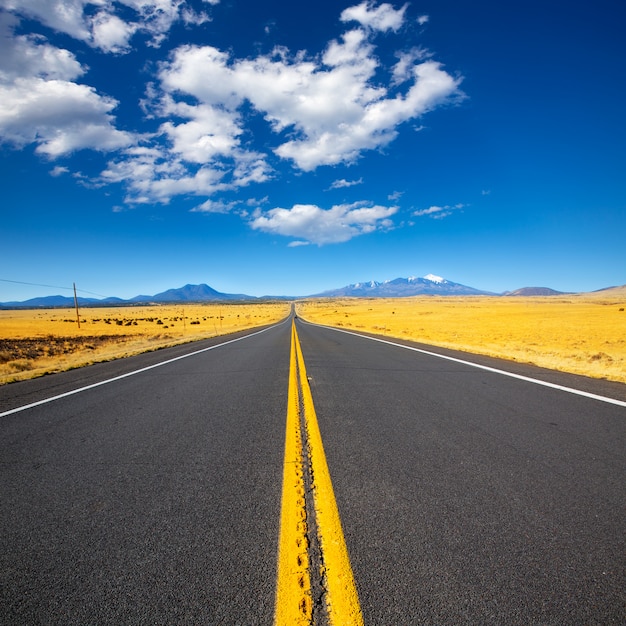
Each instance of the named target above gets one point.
<point>464,496</point>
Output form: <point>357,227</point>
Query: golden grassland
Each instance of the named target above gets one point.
<point>582,334</point>
<point>38,341</point>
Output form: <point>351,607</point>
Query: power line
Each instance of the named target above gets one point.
<point>21,282</point>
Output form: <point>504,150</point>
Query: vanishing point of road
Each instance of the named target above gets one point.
<point>297,474</point>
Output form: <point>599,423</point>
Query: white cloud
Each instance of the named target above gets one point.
<point>310,223</point>
<point>153,175</point>
<point>250,167</point>
<point>214,206</point>
<point>332,107</point>
<point>403,69</point>
<point>210,132</point>
<point>204,103</point>
<point>110,33</point>
<point>383,17</point>
<point>374,123</point>
<point>100,24</point>
<point>422,19</point>
<point>342,183</point>
<point>59,116</point>
<point>433,211</point>
<point>40,103</point>
<point>26,56</point>
<point>438,212</point>
<point>64,16</point>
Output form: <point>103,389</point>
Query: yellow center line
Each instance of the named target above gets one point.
<point>293,587</point>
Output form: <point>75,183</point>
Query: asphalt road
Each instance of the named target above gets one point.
<point>466,496</point>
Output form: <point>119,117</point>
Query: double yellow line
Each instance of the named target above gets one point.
<point>306,477</point>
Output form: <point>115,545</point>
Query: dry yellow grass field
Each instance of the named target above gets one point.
<point>582,334</point>
<point>38,341</point>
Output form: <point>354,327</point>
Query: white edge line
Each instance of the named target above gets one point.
<point>536,381</point>
<point>139,371</point>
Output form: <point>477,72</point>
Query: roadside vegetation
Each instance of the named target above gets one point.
<point>39,341</point>
<point>582,334</point>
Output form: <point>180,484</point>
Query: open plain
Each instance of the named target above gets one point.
<point>581,334</point>
<point>34,342</point>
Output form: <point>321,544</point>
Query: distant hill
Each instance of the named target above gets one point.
<point>191,293</point>
<point>534,291</point>
<point>608,292</point>
<point>405,287</point>
<point>188,293</point>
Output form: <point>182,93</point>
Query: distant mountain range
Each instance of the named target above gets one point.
<point>402,287</point>
<point>188,293</point>
<point>397,288</point>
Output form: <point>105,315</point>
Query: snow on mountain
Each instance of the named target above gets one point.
<point>434,279</point>
<point>404,287</point>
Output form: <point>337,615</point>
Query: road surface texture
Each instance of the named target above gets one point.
<point>465,496</point>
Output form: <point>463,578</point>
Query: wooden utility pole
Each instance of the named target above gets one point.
<point>76,306</point>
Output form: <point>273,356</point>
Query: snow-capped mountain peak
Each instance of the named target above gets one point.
<point>435,279</point>
<point>399,287</point>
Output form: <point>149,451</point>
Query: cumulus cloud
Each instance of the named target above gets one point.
<point>367,119</point>
<point>311,224</point>
<point>323,110</point>
<point>40,103</point>
<point>332,107</point>
<point>214,206</point>
<point>204,105</point>
<point>383,17</point>
<point>111,33</point>
<point>99,22</point>
<point>403,70</point>
<point>28,56</point>
<point>210,131</point>
<point>153,175</point>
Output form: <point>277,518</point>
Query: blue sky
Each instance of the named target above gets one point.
<point>287,148</point>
